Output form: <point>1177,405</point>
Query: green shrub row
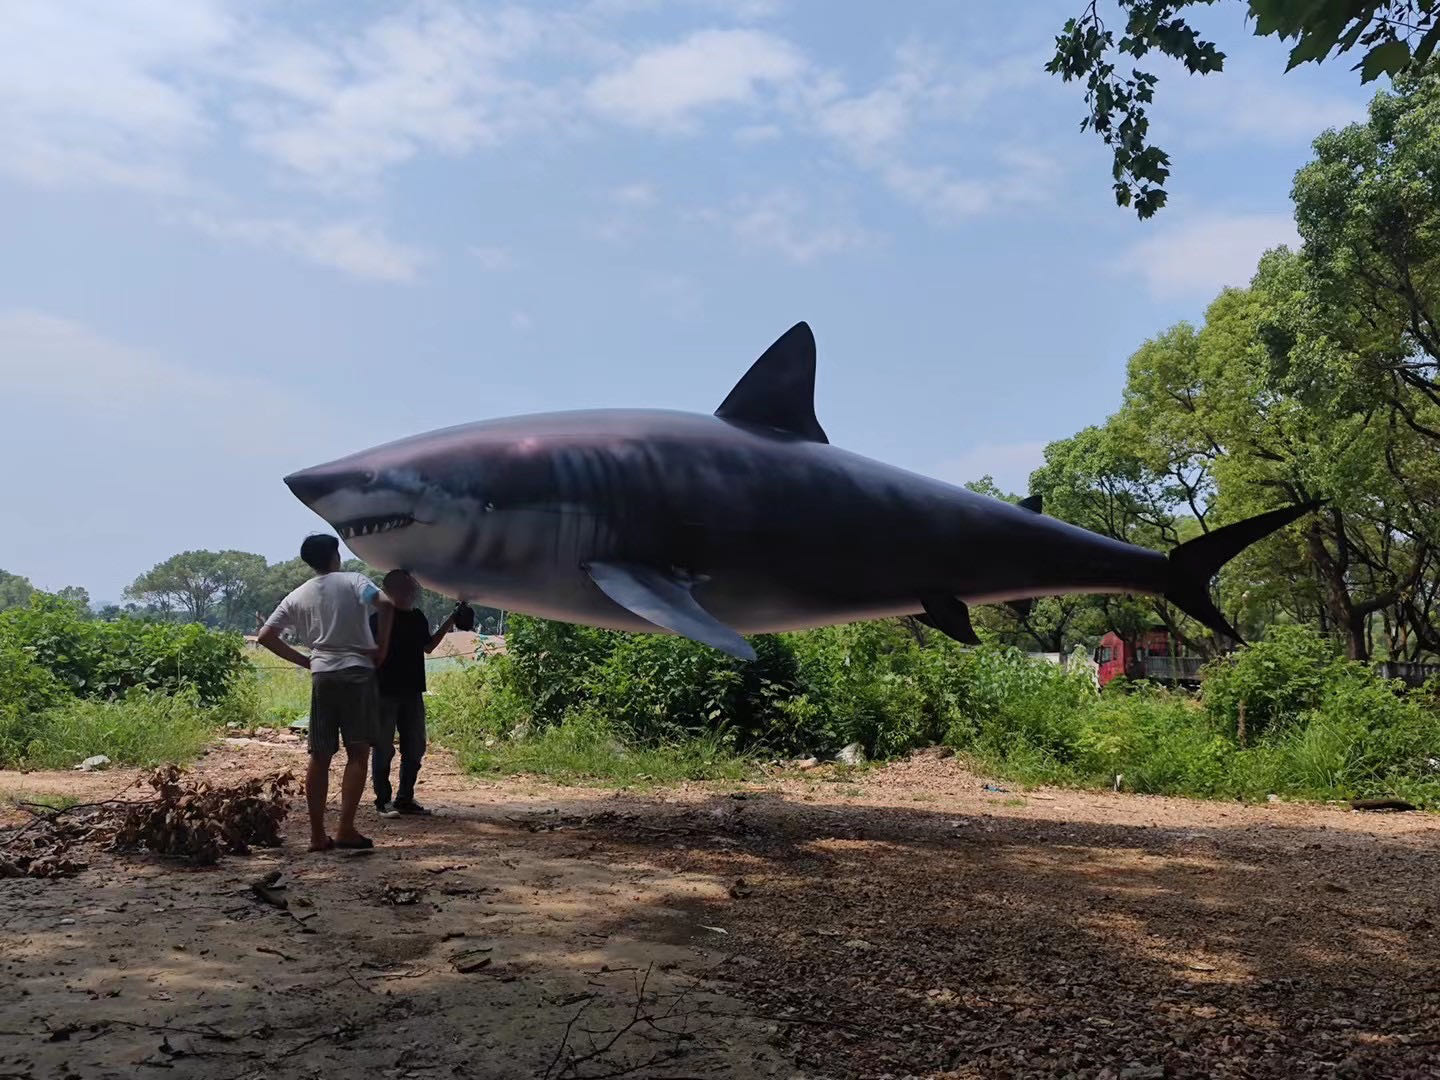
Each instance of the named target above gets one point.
<point>1316,725</point>
<point>138,692</point>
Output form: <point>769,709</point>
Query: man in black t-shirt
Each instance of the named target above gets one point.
<point>401,676</point>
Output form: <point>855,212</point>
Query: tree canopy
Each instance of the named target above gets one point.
<point>1317,381</point>
<point>1393,37</point>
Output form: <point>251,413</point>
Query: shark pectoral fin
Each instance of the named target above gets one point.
<point>779,389</point>
<point>1035,504</point>
<point>666,601</point>
<point>951,617</point>
<point>1021,608</point>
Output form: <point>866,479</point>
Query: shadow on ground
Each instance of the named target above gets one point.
<point>783,936</point>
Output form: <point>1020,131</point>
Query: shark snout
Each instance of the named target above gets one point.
<point>310,486</point>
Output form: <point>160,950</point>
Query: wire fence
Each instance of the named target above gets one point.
<point>274,663</point>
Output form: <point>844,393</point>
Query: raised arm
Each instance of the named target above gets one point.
<point>445,628</point>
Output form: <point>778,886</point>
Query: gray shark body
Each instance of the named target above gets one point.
<point>743,522</point>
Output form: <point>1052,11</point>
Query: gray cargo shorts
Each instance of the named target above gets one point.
<point>344,703</point>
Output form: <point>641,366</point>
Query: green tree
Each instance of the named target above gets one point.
<point>1100,480</point>
<point>1395,36</point>
<point>15,591</point>
<point>78,598</point>
<point>209,587</point>
<point>1368,210</point>
<point>1277,411</point>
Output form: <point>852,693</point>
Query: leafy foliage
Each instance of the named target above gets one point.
<point>575,702</point>
<point>102,660</point>
<point>1397,36</point>
<point>15,590</point>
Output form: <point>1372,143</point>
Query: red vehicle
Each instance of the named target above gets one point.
<point>1157,656</point>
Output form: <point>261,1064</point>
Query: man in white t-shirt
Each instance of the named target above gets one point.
<point>330,613</point>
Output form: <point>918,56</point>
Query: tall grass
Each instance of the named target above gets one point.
<point>475,711</point>
<point>142,728</point>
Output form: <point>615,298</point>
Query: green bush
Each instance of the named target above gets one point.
<point>26,689</point>
<point>565,698</point>
<point>94,659</point>
<point>140,728</point>
<point>1278,679</point>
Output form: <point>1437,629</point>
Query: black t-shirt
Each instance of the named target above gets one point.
<point>403,671</point>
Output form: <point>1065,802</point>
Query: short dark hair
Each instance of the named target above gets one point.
<point>396,575</point>
<point>320,551</point>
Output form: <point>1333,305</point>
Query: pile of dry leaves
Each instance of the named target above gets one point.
<point>189,819</point>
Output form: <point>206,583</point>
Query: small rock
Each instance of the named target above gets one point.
<point>1143,1072</point>
<point>90,764</point>
<point>806,763</point>
<point>859,945</point>
<point>854,754</point>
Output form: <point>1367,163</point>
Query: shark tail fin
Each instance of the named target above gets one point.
<point>1196,561</point>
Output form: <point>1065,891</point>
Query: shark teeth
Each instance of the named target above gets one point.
<point>372,526</point>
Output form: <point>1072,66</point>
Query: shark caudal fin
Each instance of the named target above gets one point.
<point>1195,562</point>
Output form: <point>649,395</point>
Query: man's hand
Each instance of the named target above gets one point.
<point>269,637</point>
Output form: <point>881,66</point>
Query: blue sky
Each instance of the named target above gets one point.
<point>243,238</point>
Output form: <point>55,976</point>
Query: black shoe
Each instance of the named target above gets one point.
<point>409,806</point>
<point>385,809</point>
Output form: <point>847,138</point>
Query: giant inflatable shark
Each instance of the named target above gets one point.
<point>747,521</point>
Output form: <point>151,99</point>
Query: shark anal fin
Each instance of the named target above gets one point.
<point>951,617</point>
<point>666,601</point>
<point>779,389</point>
<point>1035,504</point>
<point>1021,608</point>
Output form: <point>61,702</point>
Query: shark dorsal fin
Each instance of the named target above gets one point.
<point>1034,504</point>
<point>779,389</point>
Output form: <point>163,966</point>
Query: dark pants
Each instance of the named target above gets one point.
<point>404,716</point>
<point>345,705</point>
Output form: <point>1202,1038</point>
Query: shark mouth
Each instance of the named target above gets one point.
<point>373,525</point>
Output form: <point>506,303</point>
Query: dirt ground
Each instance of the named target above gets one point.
<point>908,923</point>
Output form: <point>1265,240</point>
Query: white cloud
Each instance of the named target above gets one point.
<point>1203,254</point>
<point>751,134</point>
<point>780,221</point>
<point>1009,463</point>
<point>865,124</point>
<point>521,322</point>
<point>358,248</point>
<point>1016,178</point>
<point>1224,109</point>
<point>492,258</point>
<point>638,194</point>
<point>664,86</point>
<point>740,10</point>
<point>431,77</point>
<point>88,92</point>
<point>875,131</point>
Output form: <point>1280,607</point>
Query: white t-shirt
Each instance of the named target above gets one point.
<point>331,614</point>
